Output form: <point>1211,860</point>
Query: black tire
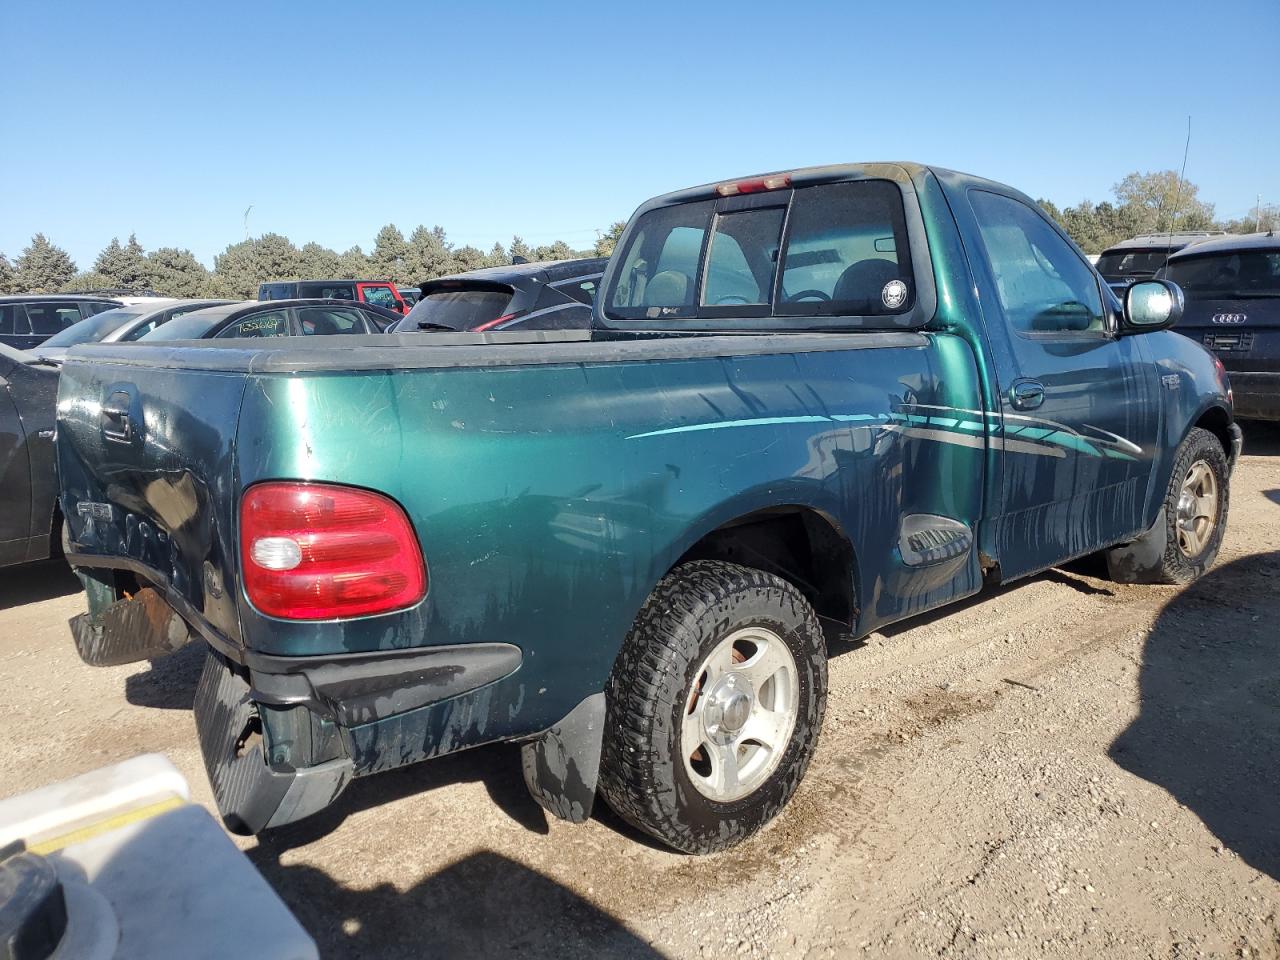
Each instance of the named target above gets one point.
<point>689,613</point>
<point>1158,556</point>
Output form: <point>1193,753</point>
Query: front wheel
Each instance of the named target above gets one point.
<point>714,706</point>
<point>1185,540</point>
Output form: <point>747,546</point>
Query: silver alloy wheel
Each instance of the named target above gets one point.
<point>740,714</point>
<point>1197,512</point>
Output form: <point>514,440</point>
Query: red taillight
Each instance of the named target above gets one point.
<point>775,181</point>
<point>490,324</point>
<point>317,551</point>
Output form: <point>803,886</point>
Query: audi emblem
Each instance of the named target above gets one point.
<point>1230,317</point>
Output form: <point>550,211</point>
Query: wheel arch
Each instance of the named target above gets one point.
<point>801,543</point>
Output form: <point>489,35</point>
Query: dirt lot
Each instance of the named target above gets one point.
<point>1063,768</point>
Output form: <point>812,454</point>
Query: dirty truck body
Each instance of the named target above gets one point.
<point>560,499</point>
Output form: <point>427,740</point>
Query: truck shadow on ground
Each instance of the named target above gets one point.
<point>1209,727</point>
<point>34,582</point>
<point>484,905</point>
<point>1261,438</point>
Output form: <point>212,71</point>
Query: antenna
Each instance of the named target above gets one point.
<point>1177,193</point>
<point>246,220</point>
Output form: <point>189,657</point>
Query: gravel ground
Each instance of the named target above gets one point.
<point>1065,767</point>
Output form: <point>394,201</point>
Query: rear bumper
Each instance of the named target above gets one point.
<point>1256,395</point>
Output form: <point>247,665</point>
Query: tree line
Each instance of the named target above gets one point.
<point>44,267</point>
<point>1142,203</point>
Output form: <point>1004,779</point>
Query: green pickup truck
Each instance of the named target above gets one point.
<point>812,403</point>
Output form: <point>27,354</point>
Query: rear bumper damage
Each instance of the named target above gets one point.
<point>275,731</point>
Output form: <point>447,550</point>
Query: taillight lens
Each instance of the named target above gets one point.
<point>318,551</point>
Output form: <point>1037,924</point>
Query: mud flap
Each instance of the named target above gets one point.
<point>141,627</point>
<point>562,765</point>
<point>251,795</point>
<point>1139,561</point>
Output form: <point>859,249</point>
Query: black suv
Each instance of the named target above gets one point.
<point>555,295</point>
<point>28,321</point>
<point>1140,257</point>
<point>1232,286</point>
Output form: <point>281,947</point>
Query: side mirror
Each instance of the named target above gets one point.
<point>1151,305</point>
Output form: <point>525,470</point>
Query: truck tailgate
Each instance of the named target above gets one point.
<point>146,460</point>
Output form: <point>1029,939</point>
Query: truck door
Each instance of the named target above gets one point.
<point>15,480</point>
<point>381,295</point>
<point>1078,424</point>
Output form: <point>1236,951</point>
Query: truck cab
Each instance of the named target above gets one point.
<point>380,293</point>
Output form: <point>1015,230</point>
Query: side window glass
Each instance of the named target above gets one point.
<point>380,297</point>
<point>743,257</point>
<point>325,321</point>
<point>584,291</point>
<point>848,252</point>
<point>12,319</point>
<point>270,324</point>
<point>1043,285</point>
<point>49,318</point>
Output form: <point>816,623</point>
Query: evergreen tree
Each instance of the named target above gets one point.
<point>519,249</point>
<point>175,273</point>
<point>428,255</point>
<point>387,261</point>
<point>468,258</point>
<point>320,263</point>
<point>44,267</point>
<point>87,280</point>
<point>8,276</point>
<point>497,257</point>
<point>606,241</point>
<point>123,266</point>
<point>352,265</point>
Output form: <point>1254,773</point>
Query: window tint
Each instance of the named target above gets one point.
<point>275,291</point>
<point>743,257</point>
<point>271,323</point>
<point>380,297</point>
<point>93,329</point>
<point>1239,274</point>
<point>327,291</point>
<point>1131,263</point>
<point>48,318</point>
<point>847,253</point>
<point>660,265</point>
<point>1043,285</point>
<point>324,321</point>
<point>584,291</point>
<point>458,307</point>
<point>13,319</point>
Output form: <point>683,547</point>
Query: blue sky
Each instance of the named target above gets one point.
<point>169,119</point>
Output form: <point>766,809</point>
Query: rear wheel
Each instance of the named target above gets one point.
<point>714,706</point>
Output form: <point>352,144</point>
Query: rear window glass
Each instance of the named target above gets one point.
<point>93,329</point>
<point>848,253</point>
<point>845,252</point>
<point>1131,263</point>
<point>458,307</point>
<point>1240,274</point>
<point>327,291</point>
<point>271,323</point>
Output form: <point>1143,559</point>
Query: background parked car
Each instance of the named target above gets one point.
<point>121,325</point>
<point>28,485</point>
<point>279,318</point>
<point>556,295</point>
<point>380,293</point>
<point>410,295</point>
<point>27,321</point>
<point>1140,257</point>
<point>1232,290</point>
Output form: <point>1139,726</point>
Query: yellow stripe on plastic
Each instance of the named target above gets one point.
<point>54,844</point>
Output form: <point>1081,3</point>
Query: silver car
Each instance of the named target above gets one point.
<point>123,324</point>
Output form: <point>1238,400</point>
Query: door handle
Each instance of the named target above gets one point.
<point>1026,394</point>
<point>116,424</point>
